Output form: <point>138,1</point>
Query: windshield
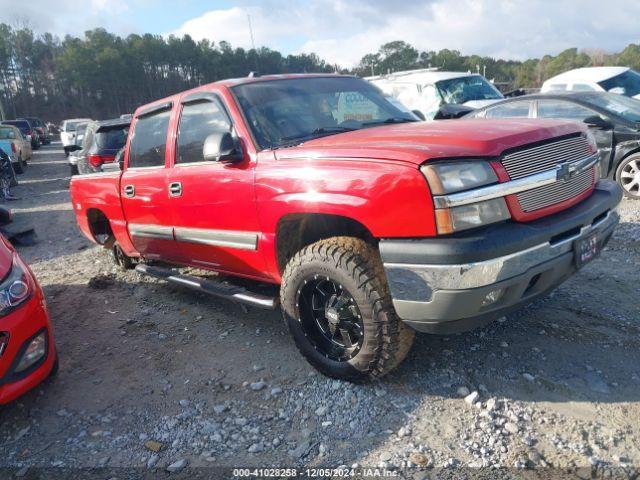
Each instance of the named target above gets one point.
<point>21,124</point>
<point>627,83</point>
<point>290,111</point>
<point>625,107</point>
<point>70,126</point>
<point>464,89</point>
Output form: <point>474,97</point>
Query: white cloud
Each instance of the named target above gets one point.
<point>342,31</point>
<point>68,16</point>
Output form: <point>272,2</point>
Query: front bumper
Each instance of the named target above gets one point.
<point>452,284</point>
<point>21,326</point>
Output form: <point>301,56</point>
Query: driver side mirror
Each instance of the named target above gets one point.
<point>222,147</point>
<point>74,148</point>
<point>597,121</point>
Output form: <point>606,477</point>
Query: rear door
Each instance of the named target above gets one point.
<point>143,186</point>
<point>213,203</point>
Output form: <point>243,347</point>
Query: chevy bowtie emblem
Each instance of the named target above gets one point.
<point>564,172</point>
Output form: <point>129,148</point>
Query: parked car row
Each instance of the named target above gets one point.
<point>33,129</point>
<point>605,98</point>
<point>96,143</point>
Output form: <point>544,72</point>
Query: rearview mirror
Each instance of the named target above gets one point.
<point>451,110</point>
<point>597,121</point>
<point>221,147</point>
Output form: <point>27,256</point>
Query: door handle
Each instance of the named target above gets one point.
<point>175,189</point>
<point>129,191</point>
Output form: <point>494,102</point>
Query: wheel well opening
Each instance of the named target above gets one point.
<point>296,231</point>
<point>100,227</point>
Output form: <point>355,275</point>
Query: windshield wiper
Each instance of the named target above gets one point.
<point>319,132</point>
<point>388,121</point>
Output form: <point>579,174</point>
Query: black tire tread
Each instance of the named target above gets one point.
<point>362,262</point>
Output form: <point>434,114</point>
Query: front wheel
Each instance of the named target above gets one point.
<point>337,306</point>
<point>628,176</point>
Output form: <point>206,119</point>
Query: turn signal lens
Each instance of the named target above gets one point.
<point>474,215</point>
<point>34,352</point>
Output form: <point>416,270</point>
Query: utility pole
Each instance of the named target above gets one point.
<point>253,43</point>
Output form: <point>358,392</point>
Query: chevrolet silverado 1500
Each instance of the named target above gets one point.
<point>373,225</point>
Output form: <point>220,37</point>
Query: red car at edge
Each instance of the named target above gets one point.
<point>27,350</point>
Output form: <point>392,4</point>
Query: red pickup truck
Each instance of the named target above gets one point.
<point>373,224</point>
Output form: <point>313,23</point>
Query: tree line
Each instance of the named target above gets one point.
<point>103,75</point>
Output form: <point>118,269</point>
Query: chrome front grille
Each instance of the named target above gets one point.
<point>544,157</point>
<point>556,192</point>
<point>541,158</point>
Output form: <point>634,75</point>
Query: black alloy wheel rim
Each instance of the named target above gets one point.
<point>330,318</point>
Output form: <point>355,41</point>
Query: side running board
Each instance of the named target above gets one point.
<point>218,289</point>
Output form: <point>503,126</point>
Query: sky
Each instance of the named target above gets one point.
<point>342,31</point>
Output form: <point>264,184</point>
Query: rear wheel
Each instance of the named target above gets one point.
<point>628,176</point>
<point>74,170</point>
<point>337,306</point>
<point>122,259</point>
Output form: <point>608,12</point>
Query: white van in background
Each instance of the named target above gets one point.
<point>68,132</point>
<point>427,90</point>
<point>620,80</point>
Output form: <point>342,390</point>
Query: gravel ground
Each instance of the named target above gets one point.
<point>154,377</point>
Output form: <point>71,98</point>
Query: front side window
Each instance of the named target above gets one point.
<point>509,110</point>
<point>627,83</point>
<point>149,140</point>
<point>625,107</point>
<point>464,89</point>
<point>197,122</point>
<point>562,109</point>
<point>291,111</point>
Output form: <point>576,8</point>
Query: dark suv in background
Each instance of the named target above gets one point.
<point>27,129</point>
<point>101,142</point>
<point>43,131</point>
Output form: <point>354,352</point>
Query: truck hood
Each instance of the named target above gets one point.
<point>420,141</point>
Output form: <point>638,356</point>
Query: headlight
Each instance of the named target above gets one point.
<point>16,288</point>
<point>453,177</point>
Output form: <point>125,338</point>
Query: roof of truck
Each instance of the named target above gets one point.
<point>424,76</point>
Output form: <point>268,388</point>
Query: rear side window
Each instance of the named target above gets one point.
<point>509,110</point>
<point>111,139</point>
<point>562,109</point>
<point>199,120</point>
<point>149,140</point>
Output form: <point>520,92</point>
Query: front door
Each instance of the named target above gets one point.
<point>213,203</point>
<point>571,111</point>
<point>143,188</point>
